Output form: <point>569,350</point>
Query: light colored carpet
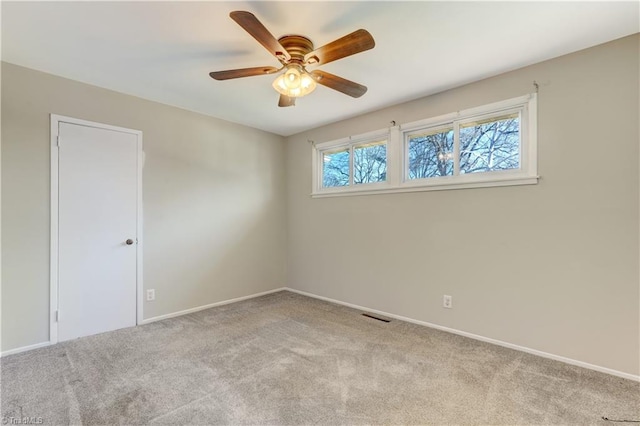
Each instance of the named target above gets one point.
<point>286,359</point>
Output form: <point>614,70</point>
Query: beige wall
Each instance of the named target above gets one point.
<point>214,200</point>
<point>552,267</point>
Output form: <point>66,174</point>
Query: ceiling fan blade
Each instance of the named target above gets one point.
<point>340,84</point>
<point>253,26</point>
<point>356,42</point>
<point>286,101</point>
<point>243,72</point>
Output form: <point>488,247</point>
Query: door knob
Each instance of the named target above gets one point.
<point>129,241</point>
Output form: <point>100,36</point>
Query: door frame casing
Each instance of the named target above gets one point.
<point>54,282</point>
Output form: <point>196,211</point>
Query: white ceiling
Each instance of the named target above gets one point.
<point>163,51</point>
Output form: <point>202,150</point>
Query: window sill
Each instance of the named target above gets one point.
<point>420,186</point>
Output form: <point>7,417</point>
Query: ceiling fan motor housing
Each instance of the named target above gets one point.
<point>297,46</point>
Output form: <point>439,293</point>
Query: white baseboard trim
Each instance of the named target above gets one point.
<point>211,305</point>
<point>477,337</point>
<point>25,348</point>
<point>376,311</point>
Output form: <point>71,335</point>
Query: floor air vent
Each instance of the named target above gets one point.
<point>376,318</point>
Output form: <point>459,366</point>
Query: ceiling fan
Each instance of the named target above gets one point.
<point>295,53</point>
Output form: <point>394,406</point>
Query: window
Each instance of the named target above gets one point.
<point>492,145</point>
<point>335,168</point>
<point>370,162</point>
<point>430,153</point>
<point>487,143</point>
<point>354,163</point>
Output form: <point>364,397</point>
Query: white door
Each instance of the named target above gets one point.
<point>97,221</point>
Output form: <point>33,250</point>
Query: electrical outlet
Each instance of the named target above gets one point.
<point>447,302</point>
<point>151,295</point>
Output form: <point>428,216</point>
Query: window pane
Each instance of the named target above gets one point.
<point>370,162</point>
<point>430,154</point>
<point>335,168</point>
<point>490,144</point>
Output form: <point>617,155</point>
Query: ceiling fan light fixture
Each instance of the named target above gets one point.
<point>295,82</point>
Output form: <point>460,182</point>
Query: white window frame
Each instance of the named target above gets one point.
<point>397,153</point>
<point>349,143</point>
